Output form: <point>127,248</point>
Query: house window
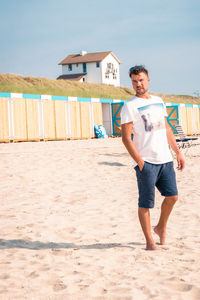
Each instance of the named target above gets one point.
<point>107,76</point>
<point>97,64</point>
<point>110,66</point>
<point>84,68</point>
<point>83,79</point>
<point>77,65</point>
<point>114,76</point>
<point>70,67</point>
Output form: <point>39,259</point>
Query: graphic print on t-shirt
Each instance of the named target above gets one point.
<point>152,116</point>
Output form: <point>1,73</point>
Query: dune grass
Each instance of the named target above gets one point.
<point>10,83</point>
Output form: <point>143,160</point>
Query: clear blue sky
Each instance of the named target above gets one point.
<point>164,35</point>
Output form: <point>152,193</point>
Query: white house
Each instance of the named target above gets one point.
<point>99,67</point>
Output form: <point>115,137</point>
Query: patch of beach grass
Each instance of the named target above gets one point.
<point>11,83</point>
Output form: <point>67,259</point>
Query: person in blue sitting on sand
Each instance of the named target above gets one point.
<point>144,116</point>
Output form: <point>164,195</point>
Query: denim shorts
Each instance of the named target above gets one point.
<point>161,176</point>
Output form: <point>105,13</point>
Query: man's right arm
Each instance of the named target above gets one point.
<point>127,129</point>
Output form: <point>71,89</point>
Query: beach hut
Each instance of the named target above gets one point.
<point>26,117</point>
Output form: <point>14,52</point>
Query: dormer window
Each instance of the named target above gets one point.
<point>70,67</point>
<point>110,66</point>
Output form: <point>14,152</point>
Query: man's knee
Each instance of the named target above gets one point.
<point>172,199</point>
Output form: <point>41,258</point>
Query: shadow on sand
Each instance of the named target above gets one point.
<point>36,245</point>
<point>112,164</point>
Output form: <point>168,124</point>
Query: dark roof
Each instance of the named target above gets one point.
<point>72,76</point>
<point>88,57</point>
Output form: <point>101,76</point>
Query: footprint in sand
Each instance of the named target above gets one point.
<point>181,287</point>
<point>192,291</point>
<point>4,276</point>
<point>33,275</point>
<point>58,286</point>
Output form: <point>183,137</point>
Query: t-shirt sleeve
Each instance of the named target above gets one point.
<point>165,110</point>
<point>126,115</point>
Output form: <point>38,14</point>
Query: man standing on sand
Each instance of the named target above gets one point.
<point>145,116</point>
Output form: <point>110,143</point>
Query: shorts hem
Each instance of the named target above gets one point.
<point>169,195</point>
<point>145,206</point>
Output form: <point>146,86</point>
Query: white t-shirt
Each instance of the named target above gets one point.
<point>150,138</point>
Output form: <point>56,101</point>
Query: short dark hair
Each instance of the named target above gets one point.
<point>137,70</point>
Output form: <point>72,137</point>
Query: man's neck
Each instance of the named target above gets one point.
<point>144,96</point>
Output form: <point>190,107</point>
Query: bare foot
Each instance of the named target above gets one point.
<point>151,246</point>
<point>161,233</point>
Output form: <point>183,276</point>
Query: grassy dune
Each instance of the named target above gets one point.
<point>43,86</point>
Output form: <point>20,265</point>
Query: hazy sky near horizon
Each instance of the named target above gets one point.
<point>163,35</point>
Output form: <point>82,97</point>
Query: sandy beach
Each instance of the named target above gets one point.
<point>69,226</point>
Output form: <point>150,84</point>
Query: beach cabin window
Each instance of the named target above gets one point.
<point>70,67</point>
<point>77,65</point>
<point>97,64</point>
